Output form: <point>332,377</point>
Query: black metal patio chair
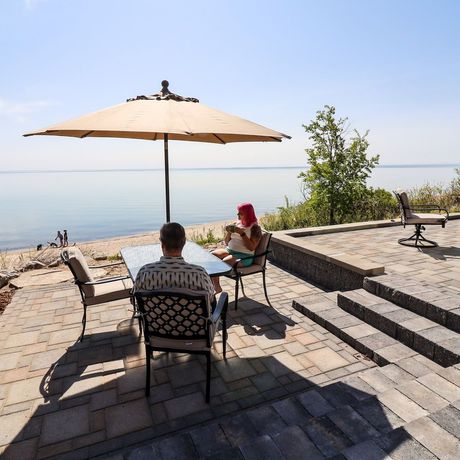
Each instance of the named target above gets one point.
<point>258,266</point>
<point>181,320</point>
<point>93,291</point>
<point>419,215</point>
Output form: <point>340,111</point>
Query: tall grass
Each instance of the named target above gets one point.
<point>3,260</point>
<point>447,197</point>
<point>375,204</point>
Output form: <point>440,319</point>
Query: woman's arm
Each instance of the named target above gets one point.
<point>228,237</point>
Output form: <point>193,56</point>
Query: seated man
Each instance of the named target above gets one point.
<point>172,271</point>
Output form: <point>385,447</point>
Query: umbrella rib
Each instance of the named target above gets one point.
<point>219,138</point>
<point>87,134</point>
<point>275,139</point>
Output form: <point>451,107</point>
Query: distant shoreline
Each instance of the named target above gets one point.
<point>112,245</point>
<point>43,171</point>
<point>115,203</point>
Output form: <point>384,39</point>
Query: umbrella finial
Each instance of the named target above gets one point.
<point>164,90</point>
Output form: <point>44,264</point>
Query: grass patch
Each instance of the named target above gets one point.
<point>207,237</point>
<point>3,258</point>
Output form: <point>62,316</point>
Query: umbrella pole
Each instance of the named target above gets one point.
<point>168,214</point>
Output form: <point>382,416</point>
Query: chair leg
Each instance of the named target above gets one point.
<point>417,240</point>
<point>140,325</point>
<point>83,322</point>
<point>265,289</point>
<point>236,291</point>
<point>208,376</point>
<point>136,314</point>
<point>418,232</point>
<point>242,286</point>
<point>147,373</point>
<point>224,335</point>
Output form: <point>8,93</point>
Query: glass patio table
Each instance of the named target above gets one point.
<point>135,257</point>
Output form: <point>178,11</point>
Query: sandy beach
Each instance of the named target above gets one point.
<point>97,252</point>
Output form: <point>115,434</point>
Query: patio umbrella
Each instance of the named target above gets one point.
<point>165,116</point>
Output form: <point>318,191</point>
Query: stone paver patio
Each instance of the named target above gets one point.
<point>439,265</point>
<point>57,396</point>
<point>66,400</point>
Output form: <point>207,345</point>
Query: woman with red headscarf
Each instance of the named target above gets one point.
<point>241,238</point>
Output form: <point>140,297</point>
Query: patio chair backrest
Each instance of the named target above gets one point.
<point>261,248</point>
<point>76,261</point>
<point>404,205</point>
<point>180,314</point>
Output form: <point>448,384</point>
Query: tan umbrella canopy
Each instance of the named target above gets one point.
<point>164,116</point>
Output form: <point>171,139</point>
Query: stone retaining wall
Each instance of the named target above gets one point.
<point>321,264</point>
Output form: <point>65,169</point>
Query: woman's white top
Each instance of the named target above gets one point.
<point>237,243</point>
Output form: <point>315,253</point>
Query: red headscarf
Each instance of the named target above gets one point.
<point>247,214</point>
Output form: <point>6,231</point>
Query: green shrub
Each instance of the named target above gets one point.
<point>374,204</point>
<point>289,216</point>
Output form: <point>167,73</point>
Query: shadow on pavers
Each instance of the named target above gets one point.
<point>94,403</point>
<point>259,319</point>
<point>442,252</point>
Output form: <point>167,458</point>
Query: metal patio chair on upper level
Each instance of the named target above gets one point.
<point>92,291</point>
<point>181,320</point>
<point>419,215</point>
<point>258,266</point>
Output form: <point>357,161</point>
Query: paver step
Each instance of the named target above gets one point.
<point>439,304</point>
<point>427,337</point>
<point>368,340</point>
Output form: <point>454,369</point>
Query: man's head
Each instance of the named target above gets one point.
<point>172,237</point>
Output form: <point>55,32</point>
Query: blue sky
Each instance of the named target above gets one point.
<point>392,67</point>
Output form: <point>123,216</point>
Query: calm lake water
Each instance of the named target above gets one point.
<point>102,204</point>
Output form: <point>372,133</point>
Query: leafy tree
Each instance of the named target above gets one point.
<point>339,167</point>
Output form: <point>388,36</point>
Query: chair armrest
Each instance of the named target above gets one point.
<point>429,207</point>
<point>107,265</point>
<point>424,206</point>
<point>103,280</point>
<point>221,307</point>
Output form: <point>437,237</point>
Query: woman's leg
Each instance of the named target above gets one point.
<point>220,252</point>
<point>227,258</point>
<point>216,282</point>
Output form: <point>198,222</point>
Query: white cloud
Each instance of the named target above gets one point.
<point>20,111</point>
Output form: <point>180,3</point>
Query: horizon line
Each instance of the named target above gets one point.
<point>390,165</point>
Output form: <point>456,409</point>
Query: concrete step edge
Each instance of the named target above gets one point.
<point>434,341</point>
<point>392,352</point>
<point>448,316</point>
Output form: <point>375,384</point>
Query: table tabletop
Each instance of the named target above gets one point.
<point>135,257</point>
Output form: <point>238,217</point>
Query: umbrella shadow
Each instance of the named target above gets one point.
<point>94,393</point>
<point>259,319</point>
<point>100,357</point>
